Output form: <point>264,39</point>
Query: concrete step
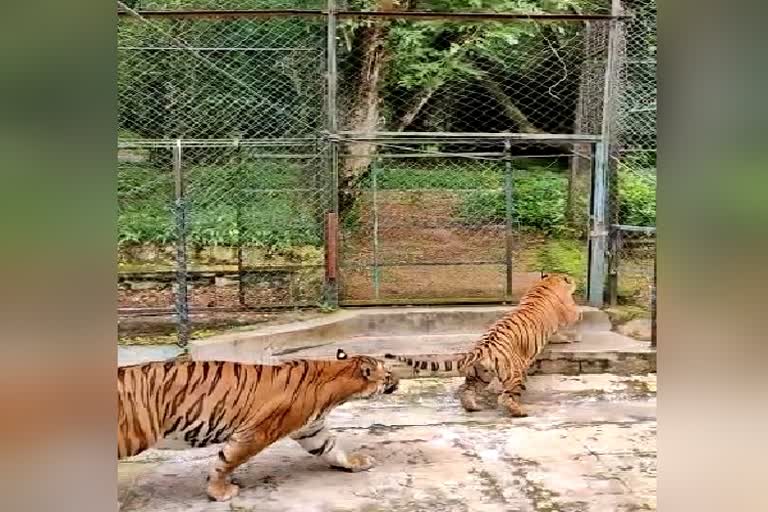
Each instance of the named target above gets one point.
<point>598,352</point>
<point>424,331</point>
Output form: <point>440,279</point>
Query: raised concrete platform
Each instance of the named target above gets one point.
<point>424,331</point>
<point>589,444</point>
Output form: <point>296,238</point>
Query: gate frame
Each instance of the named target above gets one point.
<point>597,265</point>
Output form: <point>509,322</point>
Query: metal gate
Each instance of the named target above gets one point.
<point>478,223</point>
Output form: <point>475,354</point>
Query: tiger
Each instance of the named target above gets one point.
<point>245,406</point>
<point>508,348</point>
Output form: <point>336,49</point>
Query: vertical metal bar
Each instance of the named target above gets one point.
<point>331,233</point>
<point>653,304</point>
<point>598,234</point>
<point>508,241</point>
<point>614,263</point>
<point>332,285</point>
<point>375,186</point>
<point>182,304</point>
<point>239,227</point>
<point>332,65</point>
<point>598,217</point>
<point>240,287</point>
<point>610,104</point>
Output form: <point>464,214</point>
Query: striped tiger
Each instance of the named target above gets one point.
<point>246,406</point>
<point>508,348</point>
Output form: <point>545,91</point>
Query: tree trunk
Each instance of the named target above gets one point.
<point>510,109</point>
<point>363,115</point>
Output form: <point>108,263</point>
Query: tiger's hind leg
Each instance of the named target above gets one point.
<point>318,440</point>
<point>509,398</point>
<point>477,380</point>
<point>468,394</point>
<point>235,452</point>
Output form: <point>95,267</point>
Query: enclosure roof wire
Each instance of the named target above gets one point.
<point>184,45</point>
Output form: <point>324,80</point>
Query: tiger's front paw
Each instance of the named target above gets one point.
<point>357,462</point>
<point>360,462</point>
<point>222,491</point>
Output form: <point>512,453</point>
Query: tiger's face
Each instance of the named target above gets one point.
<point>564,287</point>
<point>377,378</point>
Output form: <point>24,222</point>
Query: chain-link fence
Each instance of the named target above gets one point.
<point>474,222</point>
<point>633,166</point>
<point>424,152</point>
<point>632,257</point>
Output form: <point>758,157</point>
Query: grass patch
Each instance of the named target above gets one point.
<point>563,256</point>
<point>622,314</point>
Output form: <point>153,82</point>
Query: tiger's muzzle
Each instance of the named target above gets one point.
<point>390,386</point>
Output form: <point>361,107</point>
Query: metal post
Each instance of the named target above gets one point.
<point>598,225</point>
<point>240,274</point>
<point>331,63</point>
<point>375,186</point>
<point>598,233</point>
<point>508,242</point>
<point>653,304</point>
<point>614,262</point>
<point>182,304</point>
<point>239,227</point>
<point>331,240</point>
<point>331,284</point>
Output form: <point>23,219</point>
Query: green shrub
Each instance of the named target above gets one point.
<point>538,202</point>
<point>252,204</point>
<point>637,197</point>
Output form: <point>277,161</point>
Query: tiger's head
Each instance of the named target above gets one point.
<point>375,377</point>
<point>563,286</point>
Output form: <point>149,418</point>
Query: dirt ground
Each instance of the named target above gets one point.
<point>589,445</point>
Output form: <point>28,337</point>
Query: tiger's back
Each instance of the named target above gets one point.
<point>247,407</point>
<point>200,401</point>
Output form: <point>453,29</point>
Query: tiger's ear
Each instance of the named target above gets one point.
<point>341,355</point>
<point>544,275</point>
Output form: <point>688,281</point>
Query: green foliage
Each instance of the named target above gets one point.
<point>538,201</point>
<point>637,197</point>
<point>444,176</point>
<point>237,204</point>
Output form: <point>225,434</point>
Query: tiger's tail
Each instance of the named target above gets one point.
<point>435,362</point>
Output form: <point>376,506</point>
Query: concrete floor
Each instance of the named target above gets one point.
<point>589,444</point>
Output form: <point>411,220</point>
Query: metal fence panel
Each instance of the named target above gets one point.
<point>255,225</point>
<point>454,149</point>
<point>466,224</point>
<point>221,78</point>
<point>633,166</point>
